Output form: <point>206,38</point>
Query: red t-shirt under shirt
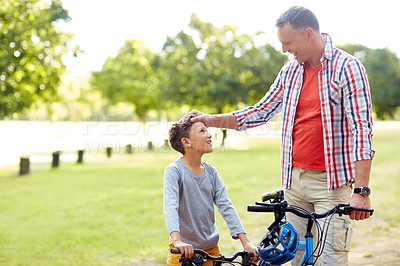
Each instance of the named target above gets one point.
<point>308,145</point>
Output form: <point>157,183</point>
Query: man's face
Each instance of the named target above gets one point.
<point>295,42</point>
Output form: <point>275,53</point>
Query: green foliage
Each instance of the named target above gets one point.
<point>130,78</point>
<point>216,68</point>
<point>261,65</point>
<point>31,51</point>
<point>383,68</point>
<point>179,70</point>
<point>212,68</point>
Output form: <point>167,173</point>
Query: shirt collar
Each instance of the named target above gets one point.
<point>328,51</point>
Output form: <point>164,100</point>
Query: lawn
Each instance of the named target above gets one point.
<point>110,212</point>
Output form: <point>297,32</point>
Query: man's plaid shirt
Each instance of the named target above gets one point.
<point>345,109</point>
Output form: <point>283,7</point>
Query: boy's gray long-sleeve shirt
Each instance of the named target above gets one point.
<point>189,205</point>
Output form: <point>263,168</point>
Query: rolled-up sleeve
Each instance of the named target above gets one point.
<point>264,110</point>
<point>358,108</point>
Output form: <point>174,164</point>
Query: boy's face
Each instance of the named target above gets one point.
<point>200,138</point>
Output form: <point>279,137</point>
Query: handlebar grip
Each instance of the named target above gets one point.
<point>347,209</point>
<point>260,208</point>
<point>175,251</point>
<point>371,211</point>
<point>251,254</point>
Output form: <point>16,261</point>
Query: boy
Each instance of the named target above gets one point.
<point>191,188</point>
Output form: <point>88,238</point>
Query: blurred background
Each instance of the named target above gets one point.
<point>72,69</point>
<point>92,75</point>
<point>75,73</point>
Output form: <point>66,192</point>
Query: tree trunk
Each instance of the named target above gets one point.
<point>224,135</point>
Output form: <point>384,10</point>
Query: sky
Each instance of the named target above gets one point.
<point>102,26</point>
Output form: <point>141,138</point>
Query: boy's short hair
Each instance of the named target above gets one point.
<point>178,131</point>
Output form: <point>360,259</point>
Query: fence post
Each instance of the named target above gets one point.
<point>56,159</point>
<point>109,152</point>
<point>24,166</point>
<point>150,145</point>
<point>128,148</point>
<point>80,156</point>
<point>166,143</point>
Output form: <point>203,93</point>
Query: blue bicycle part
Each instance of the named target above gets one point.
<point>279,244</point>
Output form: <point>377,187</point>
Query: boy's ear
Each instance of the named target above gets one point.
<point>185,142</point>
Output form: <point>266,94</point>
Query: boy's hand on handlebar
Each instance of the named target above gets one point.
<point>247,246</point>
<point>251,248</point>
<point>359,201</point>
<point>186,249</point>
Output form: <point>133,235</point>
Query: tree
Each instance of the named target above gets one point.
<point>178,70</point>
<point>383,68</point>
<point>31,50</point>
<point>129,77</point>
<point>262,64</point>
<point>217,69</point>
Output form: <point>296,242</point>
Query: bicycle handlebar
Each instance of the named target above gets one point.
<point>196,251</point>
<point>284,207</point>
<point>205,255</point>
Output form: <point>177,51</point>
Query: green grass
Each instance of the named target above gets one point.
<point>110,212</point>
<point>88,214</point>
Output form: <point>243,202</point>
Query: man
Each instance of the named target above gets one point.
<point>324,97</point>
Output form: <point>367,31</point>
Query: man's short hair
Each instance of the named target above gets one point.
<point>299,18</point>
<point>178,131</point>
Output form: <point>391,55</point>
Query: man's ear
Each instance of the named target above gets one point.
<point>309,33</point>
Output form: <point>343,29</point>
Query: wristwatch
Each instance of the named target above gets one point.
<point>364,191</point>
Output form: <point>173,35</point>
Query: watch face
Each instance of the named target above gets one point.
<point>365,191</point>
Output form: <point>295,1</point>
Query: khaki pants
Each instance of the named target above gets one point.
<point>309,191</point>
<point>173,259</point>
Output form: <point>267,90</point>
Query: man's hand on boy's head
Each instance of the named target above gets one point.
<point>198,117</point>
<point>191,113</point>
<point>185,116</point>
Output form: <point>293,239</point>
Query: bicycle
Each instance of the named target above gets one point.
<point>200,256</point>
<point>280,244</point>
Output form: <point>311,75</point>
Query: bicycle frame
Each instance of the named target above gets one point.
<point>307,247</point>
